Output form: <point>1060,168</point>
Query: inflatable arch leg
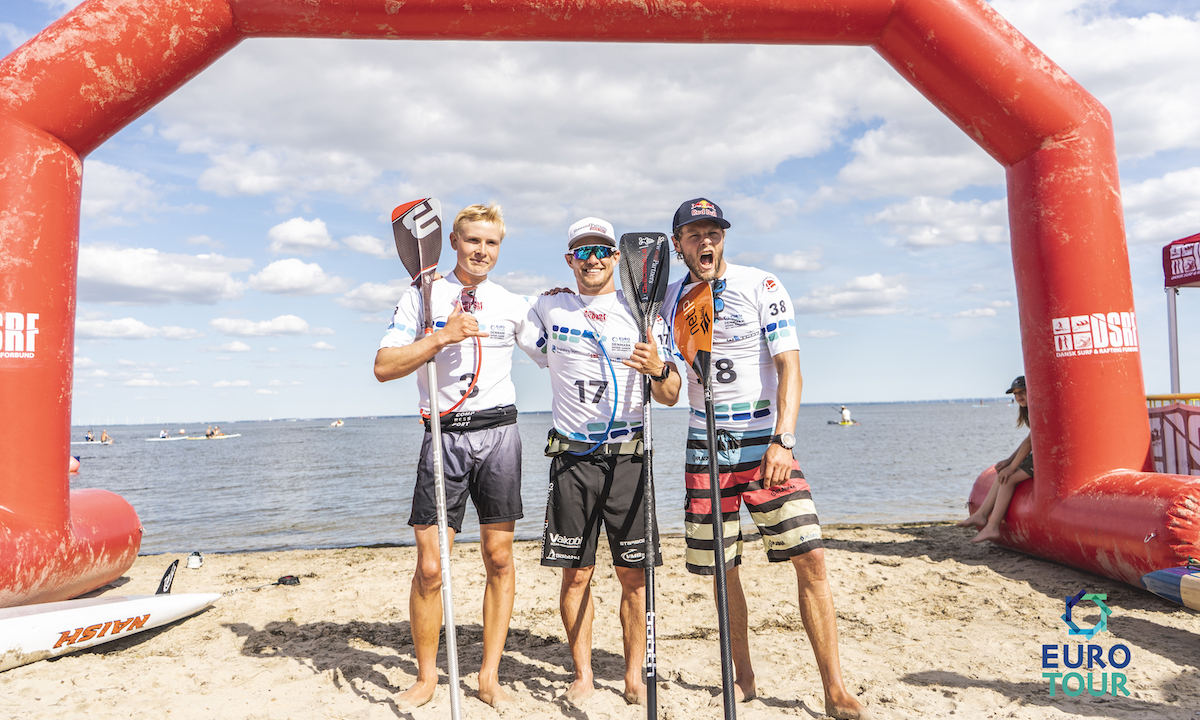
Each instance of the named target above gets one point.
<point>99,67</point>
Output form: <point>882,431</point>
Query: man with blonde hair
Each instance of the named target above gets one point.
<point>481,444</point>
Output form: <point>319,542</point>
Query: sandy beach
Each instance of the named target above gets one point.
<point>930,626</point>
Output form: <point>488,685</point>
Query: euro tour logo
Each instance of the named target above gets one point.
<point>20,334</point>
<point>1095,334</point>
<point>1075,656</point>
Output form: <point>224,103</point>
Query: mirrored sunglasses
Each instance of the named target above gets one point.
<point>602,252</point>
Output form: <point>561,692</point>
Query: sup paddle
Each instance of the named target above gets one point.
<point>645,265</point>
<point>694,338</point>
<point>417,227</point>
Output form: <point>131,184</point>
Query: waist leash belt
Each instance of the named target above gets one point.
<point>557,444</point>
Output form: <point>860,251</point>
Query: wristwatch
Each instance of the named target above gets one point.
<point>666,373</point>
<point>787,440</point>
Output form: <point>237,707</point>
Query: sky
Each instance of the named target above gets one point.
<point>236,260</point>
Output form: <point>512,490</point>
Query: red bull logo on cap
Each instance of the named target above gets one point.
<point>704,207</point>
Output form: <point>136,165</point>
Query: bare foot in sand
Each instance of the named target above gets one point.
<point>986,534</point>
<point>973,521</point>
<point>495,695</point>
<point>744,690</point>
<point>420,693</point>
<point>580,690</point>
<point>848,709</point>
<point>635,693</point>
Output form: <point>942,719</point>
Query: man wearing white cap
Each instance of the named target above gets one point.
<point>594,352</point>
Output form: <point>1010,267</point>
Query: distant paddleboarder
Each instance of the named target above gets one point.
<point>846,415</point>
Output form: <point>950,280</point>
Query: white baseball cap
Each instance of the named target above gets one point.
<point>591,231</point>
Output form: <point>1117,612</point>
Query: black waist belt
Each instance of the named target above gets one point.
<point>557,444</point>
<point>468,420</point>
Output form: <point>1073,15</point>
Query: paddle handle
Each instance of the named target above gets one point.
<point>651,556</point>
<point>718,532</point>
<point>439,489</point>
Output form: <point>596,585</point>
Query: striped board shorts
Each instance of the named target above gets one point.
<point>784,514</point>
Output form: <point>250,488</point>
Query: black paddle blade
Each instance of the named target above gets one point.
<point>694,329</point>
<point>645,266</point>
<point>168,578</point>
<point>417,227</point>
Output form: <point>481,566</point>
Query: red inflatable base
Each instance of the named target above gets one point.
<point>40,565</point>
<point>1121,525</point>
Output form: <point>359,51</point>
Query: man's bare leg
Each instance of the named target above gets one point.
<point>576,608</point>
<point>816,610</point>
<point>633,631</point>
<point>425,614</point>
<point>739,636</point>
<point>496,540</point>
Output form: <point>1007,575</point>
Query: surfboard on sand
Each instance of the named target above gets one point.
<point>36,632</point>
<point>1178,584</point>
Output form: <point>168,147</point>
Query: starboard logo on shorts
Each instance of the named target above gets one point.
<point>20,335</point>
<point>1095,656</point>
<point>1095,334</point>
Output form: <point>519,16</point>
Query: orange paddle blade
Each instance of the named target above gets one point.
<point>694,327</point>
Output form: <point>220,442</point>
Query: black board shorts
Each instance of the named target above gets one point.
<point>586,491</point>
<point>484,465</point>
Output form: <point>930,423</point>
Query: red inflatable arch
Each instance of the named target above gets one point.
<point>91,73</point>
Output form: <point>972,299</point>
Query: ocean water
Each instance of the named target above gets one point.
<point>304,484</point>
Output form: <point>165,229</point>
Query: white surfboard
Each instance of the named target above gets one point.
<point>36,632</point>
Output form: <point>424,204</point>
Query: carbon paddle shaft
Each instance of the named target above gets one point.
<point>651,557</point>
<point>718,531</point>
<point>439,487</point>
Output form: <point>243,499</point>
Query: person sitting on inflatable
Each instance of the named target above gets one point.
<point>1010,472</point>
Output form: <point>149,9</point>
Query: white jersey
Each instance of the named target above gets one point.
<point>574,328</point>
<point>507,318</point>
<point>755,325</point>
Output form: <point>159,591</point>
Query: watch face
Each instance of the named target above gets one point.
<point>787,440</point>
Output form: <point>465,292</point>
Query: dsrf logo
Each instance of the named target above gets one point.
<point>20,334</point>
<point>1077,655</point>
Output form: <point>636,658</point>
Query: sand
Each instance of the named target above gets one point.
<point>930,626</point>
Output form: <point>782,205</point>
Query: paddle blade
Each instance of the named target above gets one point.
<point>645,265</point>
<point>694,328</point>
<point>417,227</point>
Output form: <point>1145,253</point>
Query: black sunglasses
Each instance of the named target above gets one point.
<point>602,252</point>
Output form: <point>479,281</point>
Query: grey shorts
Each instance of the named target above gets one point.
<point>585,491</point>
<point>484,465</point>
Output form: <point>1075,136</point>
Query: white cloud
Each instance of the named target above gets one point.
<point>282,325</point>
<point>300,236</point>
<point>797,261</point>
<point>928,221</point>
<point>976,313</point>
<point>367,245</point>
<point>263,391</point>
<point>235,346</point>
<point>12,35</point>
<point>146,276</point>
<point>374,297</point>
<point>204,240</point>
<point>1163,209</point>
<point>822,334</point>
<point>322,345</point>
<point>523,283</point>
<point>231,383</point>
<point>130,329</point>
<point>82,362</point>
<point>146,382</point>
<point>296,277</point>
<point>865,295</point>
<point>110,190</point>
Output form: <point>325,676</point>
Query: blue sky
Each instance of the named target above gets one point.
<point>235,253</point>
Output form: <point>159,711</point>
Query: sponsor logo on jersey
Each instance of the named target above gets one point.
<point>597,316</point>
<point>633,555</point>
<point>20,334</point>
<point>771,285</point>
<point>565,541</point>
